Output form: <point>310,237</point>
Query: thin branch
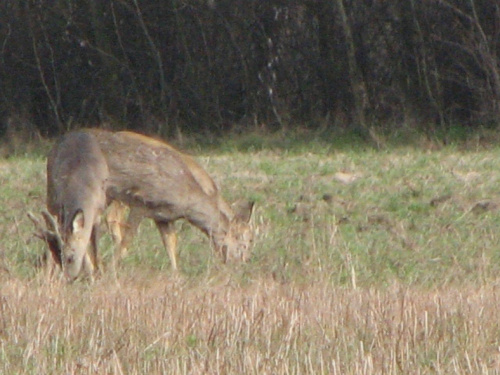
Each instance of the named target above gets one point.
<point>53,102</point>
<point>426,70</point>
<point>4,43</point>
<point>126,64</point>
<point>157,56</point>
<point>54,72</point>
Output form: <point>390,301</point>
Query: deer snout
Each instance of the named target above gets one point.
<point>235,252</point>
<point>72,265</point>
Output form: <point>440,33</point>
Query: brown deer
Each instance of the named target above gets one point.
<point>159,182</point>
<point>77,176</point>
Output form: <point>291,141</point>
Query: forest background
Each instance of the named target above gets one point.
<point>216,66</point>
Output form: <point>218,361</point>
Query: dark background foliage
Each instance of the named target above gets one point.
<point>219,65</point>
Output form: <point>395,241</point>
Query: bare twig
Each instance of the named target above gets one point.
<point>157,56</point>
<point>53,101</point>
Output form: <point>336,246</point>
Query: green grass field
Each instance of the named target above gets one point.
<point>365,262</point>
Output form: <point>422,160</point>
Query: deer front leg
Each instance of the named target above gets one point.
<point>88,266</point>
<point>94,238</point>
<point>169,238</point>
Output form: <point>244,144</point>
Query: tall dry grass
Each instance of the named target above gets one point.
<point>158,324</point>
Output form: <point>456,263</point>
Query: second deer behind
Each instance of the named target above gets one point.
<point>159,182</point>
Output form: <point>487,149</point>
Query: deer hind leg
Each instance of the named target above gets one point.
<point>169,238</point>
<point>115,217</point>
<point>121,231</point>
<point>135,217</point>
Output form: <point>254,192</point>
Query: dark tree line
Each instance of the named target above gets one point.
<point>212,65</point>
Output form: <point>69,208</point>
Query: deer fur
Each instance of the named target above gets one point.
<point>77,175</point>
<point>158,181</point>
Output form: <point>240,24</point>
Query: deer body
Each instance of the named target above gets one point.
<point>157,181</point>
<point>77,176</point>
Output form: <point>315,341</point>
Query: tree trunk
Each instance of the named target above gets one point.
<point>356,79</point>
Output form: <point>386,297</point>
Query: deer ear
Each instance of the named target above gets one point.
<point>78,222</point>
<point>243,211</point>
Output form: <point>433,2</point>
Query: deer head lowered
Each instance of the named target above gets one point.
<point>77,175</point>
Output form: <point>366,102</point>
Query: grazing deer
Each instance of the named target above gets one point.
<point>159,182</point>
<point>77,175</point>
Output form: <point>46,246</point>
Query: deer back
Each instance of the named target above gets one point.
<point>150,173</point>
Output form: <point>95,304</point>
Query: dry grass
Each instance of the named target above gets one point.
<point>365,263</point>
<point>158,324</point>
